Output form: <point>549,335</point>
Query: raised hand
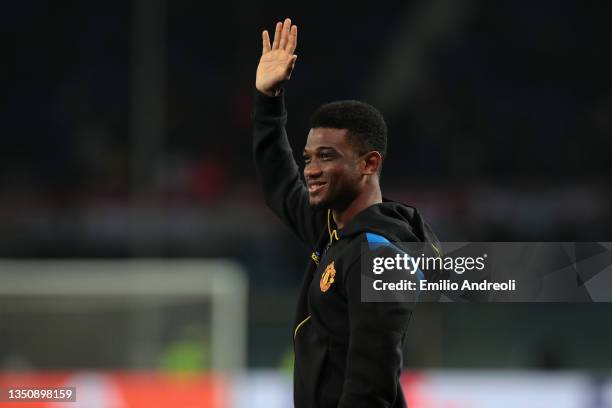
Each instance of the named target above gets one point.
<point>277,60</point>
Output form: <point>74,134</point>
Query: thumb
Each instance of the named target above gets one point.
<point>291,65</point>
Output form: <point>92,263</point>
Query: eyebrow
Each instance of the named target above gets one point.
<point>320,149</point>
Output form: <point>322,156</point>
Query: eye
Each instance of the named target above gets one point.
<point>306,159</point>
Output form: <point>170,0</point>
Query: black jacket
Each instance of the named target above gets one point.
<point>348,353</point>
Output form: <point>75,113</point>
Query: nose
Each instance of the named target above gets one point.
<point>311,171</point>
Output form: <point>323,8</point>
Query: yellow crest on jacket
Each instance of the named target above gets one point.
<point>328,277</point>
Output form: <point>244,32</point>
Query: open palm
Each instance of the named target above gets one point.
<point>277,60</point>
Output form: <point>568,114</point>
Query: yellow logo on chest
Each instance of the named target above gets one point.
<point>328,277</point>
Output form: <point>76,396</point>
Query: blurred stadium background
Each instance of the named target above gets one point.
<point>141,265</point>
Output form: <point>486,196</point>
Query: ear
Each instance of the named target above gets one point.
<point>372,162</point>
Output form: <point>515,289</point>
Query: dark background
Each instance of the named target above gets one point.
<point>126,133</point>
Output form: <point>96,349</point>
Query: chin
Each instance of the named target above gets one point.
<point>317,203</point>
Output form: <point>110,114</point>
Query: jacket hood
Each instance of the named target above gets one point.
<point>396,221</point>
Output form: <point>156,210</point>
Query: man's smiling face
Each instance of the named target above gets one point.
<point>331,171</point>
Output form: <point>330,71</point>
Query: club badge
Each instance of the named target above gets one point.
<point>328,277</point>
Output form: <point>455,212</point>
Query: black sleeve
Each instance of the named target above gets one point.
<point>282,185</point>
<point>374,360</point>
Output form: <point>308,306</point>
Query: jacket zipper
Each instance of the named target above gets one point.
<point>299,326</point>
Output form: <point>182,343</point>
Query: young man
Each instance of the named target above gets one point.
<point>348,353</point>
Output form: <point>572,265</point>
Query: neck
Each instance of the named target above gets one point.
<point>364,200</point>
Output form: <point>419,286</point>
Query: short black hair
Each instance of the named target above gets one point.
<point>364,123</point>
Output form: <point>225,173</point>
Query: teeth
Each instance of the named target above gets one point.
<point>315,186</point>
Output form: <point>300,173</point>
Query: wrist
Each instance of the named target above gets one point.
<point>268,106</point>
<point>270,93</point>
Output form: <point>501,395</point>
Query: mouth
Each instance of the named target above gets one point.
<point>315,186</point>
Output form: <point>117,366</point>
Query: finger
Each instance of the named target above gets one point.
<point>292,43</point>
<point>265,37</point>
<point>285,34</point>
<point>277,35</point>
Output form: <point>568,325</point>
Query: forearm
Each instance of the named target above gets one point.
<point>374,359</point>
<point>273,156</point>
<point>277,170</point>
<point>374,363</point>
